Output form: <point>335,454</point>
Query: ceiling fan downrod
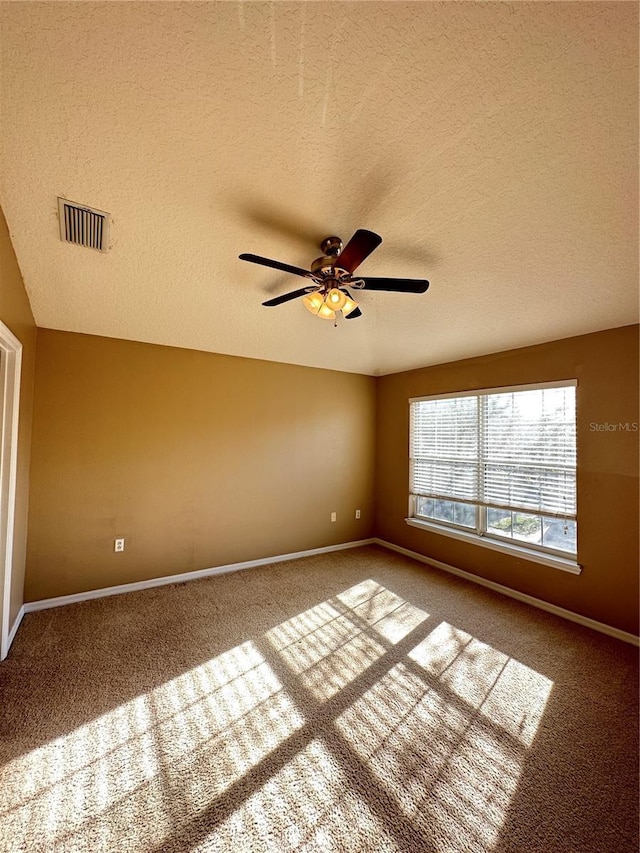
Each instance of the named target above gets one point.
<point>331,246</point>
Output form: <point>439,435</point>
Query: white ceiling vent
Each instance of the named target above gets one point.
<point>83,226</point>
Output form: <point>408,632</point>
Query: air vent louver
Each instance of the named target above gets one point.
<point>83,226</point>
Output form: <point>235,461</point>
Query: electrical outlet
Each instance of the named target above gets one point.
<point>357,513</point>
<point>334,516</point>
<point>119,545</point>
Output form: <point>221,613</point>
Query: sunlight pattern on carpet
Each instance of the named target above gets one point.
<point>452,770</point>
<point>355,725</point>
<point>305,806</point>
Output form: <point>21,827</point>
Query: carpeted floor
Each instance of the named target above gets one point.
<point>356,701</point>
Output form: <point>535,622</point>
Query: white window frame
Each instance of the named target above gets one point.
<point>479,535</point>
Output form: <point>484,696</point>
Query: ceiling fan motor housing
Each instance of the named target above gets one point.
<point>326,269</point>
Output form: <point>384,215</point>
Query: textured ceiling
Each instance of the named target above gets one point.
<point>493,146</point>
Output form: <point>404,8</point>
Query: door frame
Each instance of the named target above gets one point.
<point>10,370</point>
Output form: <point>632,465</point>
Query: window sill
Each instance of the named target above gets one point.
<point>563,563</point>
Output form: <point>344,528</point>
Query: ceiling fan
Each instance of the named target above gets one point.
<point>332,272</point>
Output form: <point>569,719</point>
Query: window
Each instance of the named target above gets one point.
<point>498,464</point>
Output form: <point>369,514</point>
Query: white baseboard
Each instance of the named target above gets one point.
<point>62,600</point>
<point>15,627</point>
<point>519,596</point>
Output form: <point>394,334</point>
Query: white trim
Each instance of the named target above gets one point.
<point>507,389</point>
<point>62,600</point>
<point>16,625</point>
<point>524,553</point>
<point>10,413</point>
<point>519,596</point>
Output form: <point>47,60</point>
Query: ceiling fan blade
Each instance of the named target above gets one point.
<point>276,265</point>
<point>397,285</point>
<point>357,249</point>
<point>278,300</point>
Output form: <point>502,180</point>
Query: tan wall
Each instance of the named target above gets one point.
<point>15,312</point>
<point>201,460</point>
<point>606,366</point>
<point>197,459</point>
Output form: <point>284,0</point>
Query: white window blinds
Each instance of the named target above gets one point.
<point>444,448</point>
<point>508,449</point>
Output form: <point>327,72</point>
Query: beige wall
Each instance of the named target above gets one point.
<point>606,366</point>
<point>15,312</point>
<point>197,459</point>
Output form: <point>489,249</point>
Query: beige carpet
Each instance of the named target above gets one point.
<point>356,701</point>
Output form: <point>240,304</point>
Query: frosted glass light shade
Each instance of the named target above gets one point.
<point>349,306</point>
<point>313,302</point>
<point>335,299</point>
<point>326,313</point>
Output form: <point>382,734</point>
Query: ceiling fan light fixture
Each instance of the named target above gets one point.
<point>313,302</point>
<point>336,299</point>
<point>326,313</point>
<point>349,306</point>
